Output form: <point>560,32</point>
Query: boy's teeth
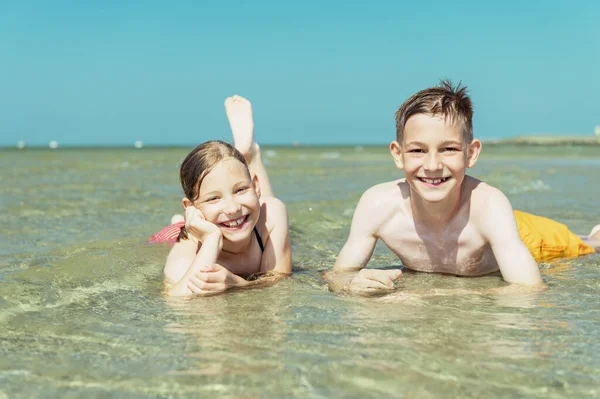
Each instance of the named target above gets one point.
<point>433,181</point>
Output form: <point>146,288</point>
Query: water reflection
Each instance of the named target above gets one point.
<point>240,333</point>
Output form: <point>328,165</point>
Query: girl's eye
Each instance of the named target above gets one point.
<point>241,189</point>
<point>212,199</point>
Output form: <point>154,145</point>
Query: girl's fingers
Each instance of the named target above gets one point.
<point>193,288</point>
<point>206,282</point>
<point>211,268</point>
<point>207,287</point>
<point>208,277</point>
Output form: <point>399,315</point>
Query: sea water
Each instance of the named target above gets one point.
<point>82,310</point>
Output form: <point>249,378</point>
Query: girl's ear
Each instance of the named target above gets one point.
<point>256,185</point>
<point>474,151</point>
<point>396,151</point>
<point>186,202</point>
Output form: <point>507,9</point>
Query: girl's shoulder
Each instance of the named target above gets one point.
<point>272,202</point>
<point>273,213</point>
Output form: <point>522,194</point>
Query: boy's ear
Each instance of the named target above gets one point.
<point>256,185</point>
<point>186,202</point>
<point>473,154</point>
<point>396,151</point>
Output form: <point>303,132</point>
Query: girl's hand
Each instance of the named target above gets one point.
<point>197,225</point>
<point>213,279</point>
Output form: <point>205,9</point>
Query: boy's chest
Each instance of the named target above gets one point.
<point>456,250</point>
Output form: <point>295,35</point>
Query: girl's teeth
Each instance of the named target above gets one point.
<point>234,223</point>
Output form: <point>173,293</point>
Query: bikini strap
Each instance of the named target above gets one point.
<point>260,243</point>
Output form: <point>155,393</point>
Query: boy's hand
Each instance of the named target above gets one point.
<point>213,279</point>
<point>197,225</point>
<point>374,280</point>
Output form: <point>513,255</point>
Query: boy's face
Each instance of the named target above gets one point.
<point>434,156</point>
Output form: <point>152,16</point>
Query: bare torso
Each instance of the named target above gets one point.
<point>454,246</point>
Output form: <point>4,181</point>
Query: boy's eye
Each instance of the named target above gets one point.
<point>242,189</point>
<point>416,151</point>
<point>451,149</point>
<point>211,199</point>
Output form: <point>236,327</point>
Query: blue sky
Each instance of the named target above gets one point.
<point>112,72</point>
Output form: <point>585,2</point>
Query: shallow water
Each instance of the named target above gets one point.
<point>82,310</point>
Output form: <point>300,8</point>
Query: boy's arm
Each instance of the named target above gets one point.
<point>362,238</point>
<point>500,228</point>
<point>357,252</point>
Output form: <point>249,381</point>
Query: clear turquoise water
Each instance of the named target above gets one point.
<point>82,310</point>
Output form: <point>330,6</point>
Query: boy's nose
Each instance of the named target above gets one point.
<point>432,162</point>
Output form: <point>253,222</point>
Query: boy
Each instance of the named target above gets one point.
<point>438,219</point>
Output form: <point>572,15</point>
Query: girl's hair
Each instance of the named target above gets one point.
<point>199,163</point>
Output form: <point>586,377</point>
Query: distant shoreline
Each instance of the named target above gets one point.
<point>548,141</point>
<point>514,141</point>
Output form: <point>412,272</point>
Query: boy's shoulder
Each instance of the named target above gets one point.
<point>387,191</point>
<point>480,193</point>
<point>483,199</point>
<point>384,200</point>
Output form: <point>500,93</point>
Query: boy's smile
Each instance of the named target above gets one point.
<point>434,156</point>
<point>434,182</point>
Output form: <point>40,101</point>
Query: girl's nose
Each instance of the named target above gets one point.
<point>232,206</point>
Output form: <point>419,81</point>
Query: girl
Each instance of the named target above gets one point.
<point>234,227</point>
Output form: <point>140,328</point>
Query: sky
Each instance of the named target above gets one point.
<point>317,72</point>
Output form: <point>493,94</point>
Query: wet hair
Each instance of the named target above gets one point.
<point>445,99</point>
<point>199,163</point>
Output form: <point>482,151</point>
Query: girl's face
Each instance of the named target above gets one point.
<point>228,198</point>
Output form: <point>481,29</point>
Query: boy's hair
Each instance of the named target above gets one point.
<point>199,163</point>
<point>445,99</point>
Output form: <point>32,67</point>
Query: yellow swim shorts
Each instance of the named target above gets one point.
<point>547,239</point>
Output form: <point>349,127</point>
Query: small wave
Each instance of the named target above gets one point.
<point>330,155</point>
<point>533,186</point>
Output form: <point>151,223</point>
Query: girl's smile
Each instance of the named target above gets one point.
<point>228,198</point>
<point>235,224</point>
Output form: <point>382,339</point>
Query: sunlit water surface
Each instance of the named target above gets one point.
<point>83,313</point>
